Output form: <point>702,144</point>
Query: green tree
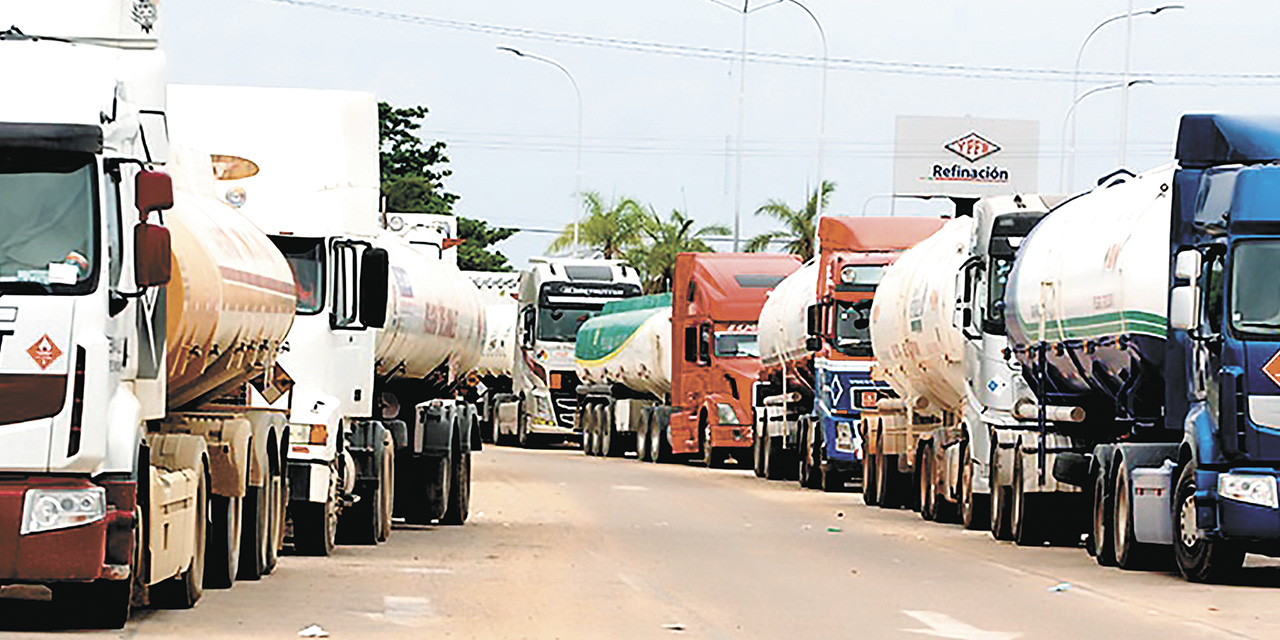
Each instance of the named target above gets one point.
<point>799,225</point>
<point>413,176</point>
<point>656,259</point>
<point>612,228</point>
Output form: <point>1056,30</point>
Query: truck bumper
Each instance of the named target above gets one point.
<point>1225,518</point>
<point>731,436</point>
<point>843,441</point>
<point>91,551</point>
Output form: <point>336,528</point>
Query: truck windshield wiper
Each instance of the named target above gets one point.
<point>1263,324</point>
<point>23,286</point>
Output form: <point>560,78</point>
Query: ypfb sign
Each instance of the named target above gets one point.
<point>965,156</point>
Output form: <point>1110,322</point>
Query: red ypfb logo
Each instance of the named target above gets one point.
<point>972,147</point>
<point>44,351</point>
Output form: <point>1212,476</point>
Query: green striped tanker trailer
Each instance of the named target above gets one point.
<point>623,358</point>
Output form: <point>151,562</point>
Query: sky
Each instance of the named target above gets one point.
<point>659,82</point>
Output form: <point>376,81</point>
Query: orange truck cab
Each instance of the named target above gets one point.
<point>671,375</point>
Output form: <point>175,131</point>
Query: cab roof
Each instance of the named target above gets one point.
<point>728,287</point>
<point>848,233</point>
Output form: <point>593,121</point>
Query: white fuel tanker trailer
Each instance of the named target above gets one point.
<point>491,382</point>
<point>431,342</point>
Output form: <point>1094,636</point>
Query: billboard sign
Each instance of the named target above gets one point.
<point>966,157</point>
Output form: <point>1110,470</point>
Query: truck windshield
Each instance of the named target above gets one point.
<point>560,324</point>
<point>737,345</point>
<point>47,207</point>
<point>1255,292</point>
<point>853,327</point>
<point>306,259</point>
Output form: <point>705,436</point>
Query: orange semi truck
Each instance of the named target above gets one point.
<point>815,344</point>
<point>670,375</point>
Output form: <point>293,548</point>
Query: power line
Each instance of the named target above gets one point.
<point>1029,74</point>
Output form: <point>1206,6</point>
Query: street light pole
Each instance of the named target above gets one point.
<point>1075,76</point>
<point>577,174</point>
<point>1070,118</point>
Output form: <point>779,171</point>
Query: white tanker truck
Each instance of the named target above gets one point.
<point>127,451</point>
<point>492,379</point>
<point>938,331</point>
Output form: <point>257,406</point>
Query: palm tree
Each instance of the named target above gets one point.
<point>799,225</point>
<point>610,228</point>
<point>656,259</point>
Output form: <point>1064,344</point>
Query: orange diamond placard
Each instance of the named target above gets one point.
<point>44,351</point>
<point>1272,368</point>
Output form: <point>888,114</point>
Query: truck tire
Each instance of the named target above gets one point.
<point>459,507</point>
<point>222,551</point>
<point>870,481</point>
<point>422,486</point>
<point>887,480</point>
<point>1099,541</point>
<point>1130,554</point>
<point>1027,518</point>
<point>387,504</point>
<point>1199,559</point>
<point>523,437</point>
<point>757,453</point>
<point>773,463</point>
<point>1001,522</point>
<point>810,465</point>
<point>974,508</point>
<point>254,533</point>
<point>184,590</point>
<point>642,435</point>
<point>659,448</point>
<point>927,489</point>
<point>279,484</point>
<point>712,457</point>
<point>360,523</point>
<point>315,526</point>
<point>610,443</point>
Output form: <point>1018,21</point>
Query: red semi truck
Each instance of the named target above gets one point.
<point>670,375</point>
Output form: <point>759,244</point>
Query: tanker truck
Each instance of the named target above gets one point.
<point>303,166</point>
<point>670,375</point>
<point>556,295</point>
<point>815,352</point>
<point>431,343</point>
<point>955,391</point>
<point>1150,304</point>
<point>126,452</point>
<point>492,378</point>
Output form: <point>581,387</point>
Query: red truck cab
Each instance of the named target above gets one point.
<point>715,309</point>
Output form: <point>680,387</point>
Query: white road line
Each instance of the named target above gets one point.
<point>628,487</point>
<point>944,626</point>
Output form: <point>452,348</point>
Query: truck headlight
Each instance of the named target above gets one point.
<point>50,509</point>
<point>725,414</point>
<point>844,435</point>
<point>848,275</point>
<point>1248,488</point>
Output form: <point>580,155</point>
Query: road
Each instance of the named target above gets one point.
<point>564,546</point>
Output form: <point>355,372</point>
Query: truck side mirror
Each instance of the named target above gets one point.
<point>813,319</point>
<point>375,268</point>
<point>152,261</point>
<point>1183,309</point>
<point>152,191</point>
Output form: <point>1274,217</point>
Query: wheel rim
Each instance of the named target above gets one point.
<point>1187,522</point>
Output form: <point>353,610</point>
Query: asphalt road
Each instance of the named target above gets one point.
<point>563,546</point>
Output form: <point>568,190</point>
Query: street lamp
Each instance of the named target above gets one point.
<point>1072,112</point>
<point>742,101</point>
<point>577,175</point>
<point>1075,76</point>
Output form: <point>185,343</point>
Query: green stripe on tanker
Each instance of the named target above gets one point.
<point>604,336</point>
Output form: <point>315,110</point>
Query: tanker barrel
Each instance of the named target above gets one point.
<point>894,405</point>
<point>1026,410</point>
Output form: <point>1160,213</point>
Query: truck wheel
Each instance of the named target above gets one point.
<point>810,467</point>
<point>642,435</point>
<point>388,486</point>
<point>757,453</point>
<point>315,525</point>
<point>184,590</point>
<point>831,480</point>
<point>973,507</point>
<point>1027,518</point>
<point>587,416</point>
<point>928,489</point>
<point>774,468</point>
<point>459,507</point>
<point>1130,554</point>
<point>1199,559</point>
<point>1000,518</point>
<point>523,437</point>
<point>1099,541</point>
<point>608,436</point>
<point>278,496</point>
<point>360,523</point>
<point>253,539</point>
<point>659,449</point>
<point>870,481</point>
<point>887,480</point>
<point>222,555</point>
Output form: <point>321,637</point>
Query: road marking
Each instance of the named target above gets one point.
<point>427,570</point>
<point>406,611</point>
<point>628,487</point>
<point>944,626</point>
